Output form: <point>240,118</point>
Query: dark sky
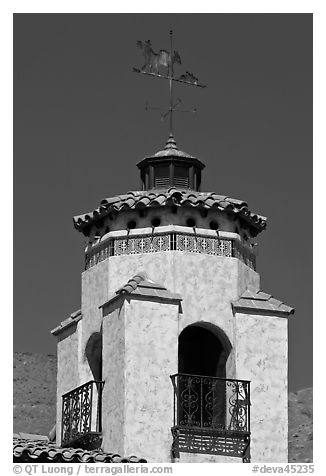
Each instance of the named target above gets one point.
<point>80,126</point>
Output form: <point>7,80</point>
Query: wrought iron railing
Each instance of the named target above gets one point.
<point>211,415</point>
<point>170,241</point>
<point>81,415</point>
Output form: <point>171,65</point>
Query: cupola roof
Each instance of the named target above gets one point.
<point>170,167</point>
<point>171,150</point>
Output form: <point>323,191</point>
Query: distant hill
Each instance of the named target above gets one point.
<point>34,392</point>
<point>35,401</point>
<point>300,426</point>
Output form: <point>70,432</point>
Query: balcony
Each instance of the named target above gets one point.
<point>211,416</point>
<point>81,416</point>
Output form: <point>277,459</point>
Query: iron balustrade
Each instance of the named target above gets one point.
<point>170,241</point>
<point>211,415</point>
<point>81,415</point>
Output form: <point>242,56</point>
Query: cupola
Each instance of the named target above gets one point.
<point>171,167</point>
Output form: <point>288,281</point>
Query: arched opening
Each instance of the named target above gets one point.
<point>93,353</point>
<point>203,352</point>
<point>211,410</point>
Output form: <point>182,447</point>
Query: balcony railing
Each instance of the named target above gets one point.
<point>211,415</point>
<point>81,416</point>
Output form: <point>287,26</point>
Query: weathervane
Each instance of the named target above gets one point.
<point>153,65</point>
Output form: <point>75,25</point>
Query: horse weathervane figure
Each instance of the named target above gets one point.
<point>153,65</point>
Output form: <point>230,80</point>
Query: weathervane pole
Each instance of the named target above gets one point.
<point>171,83</point>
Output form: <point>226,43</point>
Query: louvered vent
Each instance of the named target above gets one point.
<point>181,182</point>
<point>181,177</point>
<point>162,182</point>
<point>162,177</point>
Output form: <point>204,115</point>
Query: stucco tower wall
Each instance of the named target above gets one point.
<point>208,284</point>
<point>139,355</point>
<point>94,293</point>
<point>151,357</point>
<point>67,368</point>
<point>113,398</point>
<point>262,357</point>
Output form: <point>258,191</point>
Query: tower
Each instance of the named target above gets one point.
<point>176,353</point>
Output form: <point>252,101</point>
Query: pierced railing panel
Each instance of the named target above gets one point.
<point>211,415</point>
<point>81,415</point>
<point>170,241</point>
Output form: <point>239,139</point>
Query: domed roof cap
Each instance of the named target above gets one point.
<point>171,150</point>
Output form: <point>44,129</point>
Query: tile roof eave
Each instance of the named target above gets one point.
<point>162,198</point>
<point>258,302</point>
<point>31,450</point>
<point>141,287</point>
<point>262,311</point>
<point>66,324</point>
<point>172,298</point>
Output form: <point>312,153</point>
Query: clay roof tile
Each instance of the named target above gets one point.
<point>26,450</point>
<point>157,198</point>
<point>259,301</point>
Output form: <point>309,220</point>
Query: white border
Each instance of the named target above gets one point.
<point>97,6</point>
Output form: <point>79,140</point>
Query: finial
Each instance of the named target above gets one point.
<point>171,143</point>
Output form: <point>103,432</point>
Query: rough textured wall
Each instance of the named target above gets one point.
<point>113,404</point>
<point>247,278</point>
<point>207,284</point>
<point>94,294</point>
<point>158,266</point>
<point>201,458</point>
<point>139,355</point>
<point>261,356</point>
<point>67,368</point>
<point>151,357</point>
